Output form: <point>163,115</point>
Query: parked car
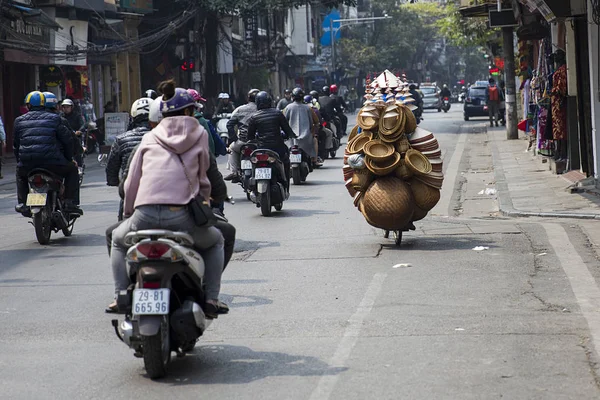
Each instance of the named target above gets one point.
<point>476,104</point>
<point>431,97</point>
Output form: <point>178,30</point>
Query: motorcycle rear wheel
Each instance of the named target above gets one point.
<point>43,229</point>
<point>265,203</point>
<point>296,176</point>
<point>157,351</point>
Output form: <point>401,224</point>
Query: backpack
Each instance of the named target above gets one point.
<point>493,93</point>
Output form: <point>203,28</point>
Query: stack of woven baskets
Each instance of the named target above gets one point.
<point>392,168</point>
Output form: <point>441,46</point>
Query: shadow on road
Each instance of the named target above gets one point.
<point>438,243</point>
<point>239,365</point>
<point>300,213</point>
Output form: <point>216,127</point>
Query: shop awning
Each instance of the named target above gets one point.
<point>35,16</point>
<point>474,11</point>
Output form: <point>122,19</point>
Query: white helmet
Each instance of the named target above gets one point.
<point>155,113</point>
<point>223,95</point>
<point>140,107</point>
<point>67,102</point>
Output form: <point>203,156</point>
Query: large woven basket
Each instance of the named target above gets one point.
<point>361,179</point>
<point>419,214</point>
<point>368,118</point>
<point>426,197</point>
<point>353,133</point>
<point>388,203</point>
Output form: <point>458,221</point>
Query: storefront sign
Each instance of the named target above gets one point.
<point>51,75</point>
<point>115,124</point>
<point>23,28</point>
<point>73,40</point>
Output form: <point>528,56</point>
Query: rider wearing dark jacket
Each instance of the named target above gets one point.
<point>266,127</point>
<point>41,140</point>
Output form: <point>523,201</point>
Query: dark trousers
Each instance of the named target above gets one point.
<point>69,172</point>
<point>227,230</point>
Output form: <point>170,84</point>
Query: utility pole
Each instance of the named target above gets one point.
<point>509,80</point>
<point>196,83</point>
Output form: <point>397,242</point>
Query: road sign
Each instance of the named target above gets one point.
<point>326,38</point>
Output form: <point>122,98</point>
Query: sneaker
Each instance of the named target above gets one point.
<point>236,179</point>
<point>230,176</point>
<point>21,208</point>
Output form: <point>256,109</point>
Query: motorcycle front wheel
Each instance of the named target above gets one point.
<point>157,351</point>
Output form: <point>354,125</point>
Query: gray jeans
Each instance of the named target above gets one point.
<point>494,110</point>
<point>208,241</point>
<point>235,156</point>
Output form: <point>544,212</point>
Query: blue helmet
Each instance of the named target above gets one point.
<point>51,100</point>
<point>308,99</point>
<point>35,99</point>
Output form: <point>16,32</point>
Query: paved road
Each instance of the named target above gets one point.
<point>322,306</point>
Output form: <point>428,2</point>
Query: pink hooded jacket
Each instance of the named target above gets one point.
<point>156,175</point>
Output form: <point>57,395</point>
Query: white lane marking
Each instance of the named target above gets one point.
<point>582,282</point>
<point>327,382</point>
<point>451,175</point>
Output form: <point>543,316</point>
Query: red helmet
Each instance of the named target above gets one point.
<point>333,89</point>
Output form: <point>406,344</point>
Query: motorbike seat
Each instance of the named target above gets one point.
<point>56,179</point>
<point>183,238</point>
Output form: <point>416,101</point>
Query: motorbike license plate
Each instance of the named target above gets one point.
<point>36,199</point>
<point>151,301</point>
<point>262,173</point>
<point>295,158</point>
<point>246,164</point>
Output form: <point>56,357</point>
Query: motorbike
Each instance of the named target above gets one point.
<point>93,140</point>
<point>462,97</point>
<point>221,127</point>
<point>268,181</point>
<point>300,164</point>
<point>163,305</point>
<point>325,151</point>
<point>246,167</point>
<point>446,104</point>
<point>46,205</point>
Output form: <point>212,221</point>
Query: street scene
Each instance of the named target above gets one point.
<point>300,200</point>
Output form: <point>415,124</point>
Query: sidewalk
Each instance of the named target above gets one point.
<point>8,171</point>
<point>526,187</point>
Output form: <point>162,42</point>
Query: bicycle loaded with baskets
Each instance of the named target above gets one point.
<point>393,169</point>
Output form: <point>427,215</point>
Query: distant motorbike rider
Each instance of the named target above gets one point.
<point>303,122</point>
<point>328,105</point>
<point>341,107</point>
<point>418,101</point>
<point>445,92</point>
<point>239,118</point>
<point>271,129</point>
<point>287,99</point>
<point>315,100</point>
<point>42,140</point>
<point>126,142</point>
<point>77,125</point>
<point>225,106</point>
<point>318,129</point>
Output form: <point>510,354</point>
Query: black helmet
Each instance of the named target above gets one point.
<point>314,94</point>
<point>263,100</point>
<point>298,94</point>
<point>326,90</point>
<point>252,95</point>
<point>287,91</point>
<point>150,94</point>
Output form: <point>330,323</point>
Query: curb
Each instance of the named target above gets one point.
<point>505,204</point>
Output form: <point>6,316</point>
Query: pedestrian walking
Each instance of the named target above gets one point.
<point>493,101</point>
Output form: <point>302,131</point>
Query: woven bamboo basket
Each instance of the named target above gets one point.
<point>356,145</point>
<point>350,187</point>
<point>419,214</point>
<point>383,167</point>
<point>348,172</point>
<point>368,118</point>
<point>402,145</point>
<point>394,123</point>
<point>417,162</point>
<point>411,122</point>
<point>378,150</point>
<point>361,179</point>
<point>353,133</point>
<point>388,204</point>
<point>403,172</point>
<point>426,197</point>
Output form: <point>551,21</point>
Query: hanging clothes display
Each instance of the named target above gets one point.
<point>559,111</point>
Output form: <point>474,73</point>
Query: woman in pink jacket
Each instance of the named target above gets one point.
<point>157,190</point>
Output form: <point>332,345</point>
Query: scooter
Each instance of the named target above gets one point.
<point>268,181</point>
<point>221,127</point>
<point>300,163</point>
<point>163,306</point>
<point>246,167</point>
<point>446,104</point>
